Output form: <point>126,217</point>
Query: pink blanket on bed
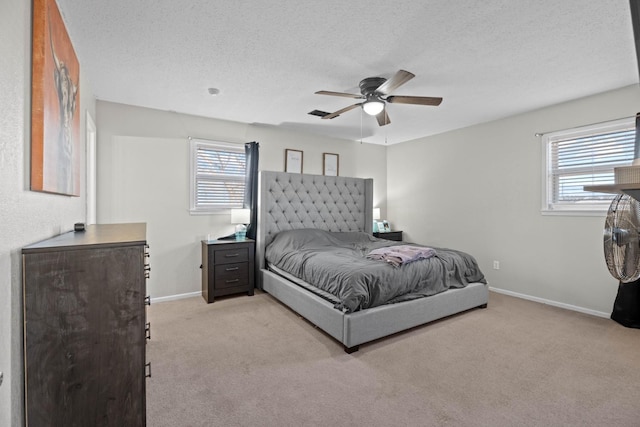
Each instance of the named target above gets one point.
<point>402,254</point>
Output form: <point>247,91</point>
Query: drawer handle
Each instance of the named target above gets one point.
<point>148,370</point>
<point>232,268</point>
<point>232,255</point>
<point>147,330</point>
<point>232,281</point>
<point>147,300</point>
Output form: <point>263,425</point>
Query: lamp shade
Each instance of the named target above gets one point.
<point>376,213</point>
<point>240,216</point>
<point>373,107</point>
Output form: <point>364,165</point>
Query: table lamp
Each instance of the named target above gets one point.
<point>241,218</point>
<point>376,215</point>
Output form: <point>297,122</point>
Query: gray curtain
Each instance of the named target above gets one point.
<point>252,153</point>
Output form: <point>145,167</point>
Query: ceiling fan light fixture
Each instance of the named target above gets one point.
<point>373,107</point>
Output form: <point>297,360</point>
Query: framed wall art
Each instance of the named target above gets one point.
<point>330,164</point>
<point>292,161</point>
<point>55,104</point>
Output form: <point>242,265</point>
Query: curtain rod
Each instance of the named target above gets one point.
<point>591,124</point>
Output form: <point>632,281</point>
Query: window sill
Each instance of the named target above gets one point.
<point>212,212</point>
<point>600,213</point>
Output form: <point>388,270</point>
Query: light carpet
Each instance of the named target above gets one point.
<point>251,361</point>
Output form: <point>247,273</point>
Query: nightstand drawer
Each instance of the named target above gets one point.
<point>231,275</point>
<point>231,255</point>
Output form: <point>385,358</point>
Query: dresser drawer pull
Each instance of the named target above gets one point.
<point>148,370</point>
<point>147,300</point>
<point>232,281</point>
<point>147,330</point>
<point>232,269</point>
<point>231,255</point>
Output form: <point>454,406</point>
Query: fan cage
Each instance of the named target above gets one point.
<point>622,238</point>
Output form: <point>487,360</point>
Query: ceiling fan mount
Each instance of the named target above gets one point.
<point>369,85</point>
<point>376,94</point>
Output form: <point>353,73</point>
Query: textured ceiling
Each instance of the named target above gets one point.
<point>488,59</point>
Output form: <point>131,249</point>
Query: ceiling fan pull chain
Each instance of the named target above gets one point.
<point>360,126</point>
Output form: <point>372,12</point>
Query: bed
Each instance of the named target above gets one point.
<point>339,205</point>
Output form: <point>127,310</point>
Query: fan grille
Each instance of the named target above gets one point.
<point>621,238</point>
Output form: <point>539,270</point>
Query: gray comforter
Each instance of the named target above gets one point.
<point>337,263</point>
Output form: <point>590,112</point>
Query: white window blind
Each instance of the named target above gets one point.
<point>218,173</point>
<point>585,156</point>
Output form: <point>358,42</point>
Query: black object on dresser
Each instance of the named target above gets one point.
<point>389,235</point>
<point>227,267</point>
<point>85,327</point>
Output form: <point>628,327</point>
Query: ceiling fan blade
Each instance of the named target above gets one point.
<point>383,118</point>
<point>344,110</point>
<point>346,95</point>
<point>398,79</point>
<point>417,100</point>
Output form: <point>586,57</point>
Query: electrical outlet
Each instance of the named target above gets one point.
<point>496,265</point>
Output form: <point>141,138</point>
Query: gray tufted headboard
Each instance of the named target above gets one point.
<point>291,200</point>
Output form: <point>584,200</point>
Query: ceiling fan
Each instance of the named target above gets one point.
<point>375,92</point>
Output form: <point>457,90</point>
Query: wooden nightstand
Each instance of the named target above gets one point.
<point>227,267</point>
<point>390,235</point>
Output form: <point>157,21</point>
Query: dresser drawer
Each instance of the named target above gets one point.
<point>228,256</point>
<point>231,275</point>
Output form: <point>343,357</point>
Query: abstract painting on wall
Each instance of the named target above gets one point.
<point>55,102</point>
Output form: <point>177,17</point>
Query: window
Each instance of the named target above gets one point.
<point>584,156</point>
<point>217,176</point>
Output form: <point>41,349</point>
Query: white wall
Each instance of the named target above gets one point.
<point>479,189</point>
<point>25,216</point>
<point>143,176</point>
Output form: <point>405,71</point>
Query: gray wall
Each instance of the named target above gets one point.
<point>479,189</point>
<point>143,175</point>
<point>26,216</point>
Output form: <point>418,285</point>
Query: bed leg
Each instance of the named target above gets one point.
<point>482,306</point>
<point>350,350</point>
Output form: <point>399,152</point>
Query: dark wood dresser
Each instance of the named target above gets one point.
<point>227,267</point>
<point>85,327</point>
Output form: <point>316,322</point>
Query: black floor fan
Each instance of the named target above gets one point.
<point>622,254</point>
<point>622,226</point>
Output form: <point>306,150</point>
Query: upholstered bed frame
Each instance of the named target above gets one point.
<point>291,201</point>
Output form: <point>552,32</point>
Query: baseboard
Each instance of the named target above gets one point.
<point>553,303</point>
<point>175,297</point>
